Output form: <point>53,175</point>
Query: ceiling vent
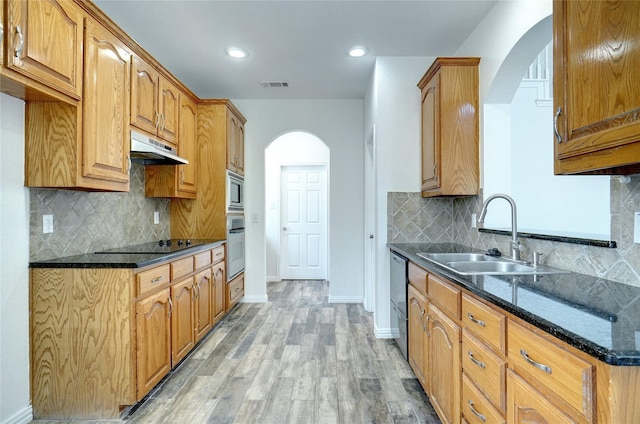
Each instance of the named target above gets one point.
<point>274,84</point>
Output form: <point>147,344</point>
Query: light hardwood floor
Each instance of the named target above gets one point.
<point>295,359</point>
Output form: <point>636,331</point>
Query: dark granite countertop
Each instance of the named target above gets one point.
<point>123,260</point>
<point>597,316</point>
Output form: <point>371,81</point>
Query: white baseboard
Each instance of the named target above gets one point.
<point>345,299</point>
<point>271,278</point>
<point>254,299</point>
<point>21,417</point>
<point>384,333</point>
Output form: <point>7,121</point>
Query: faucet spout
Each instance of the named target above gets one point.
<point>515,244</point>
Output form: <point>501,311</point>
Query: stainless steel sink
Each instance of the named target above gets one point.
<point>481,264</point>
<point>458,257</point>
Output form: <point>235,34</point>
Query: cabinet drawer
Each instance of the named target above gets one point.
<point>475,407</point>
<point>217,254</point>
<point>484,322</point>
<point>565,375</point>
<point>181,267</point>
<point>202,259</point>
<point>445,295</point>
<point>235,290</point>
<point>487,370</point>
<point>152,279</point>
<point>418,278</point>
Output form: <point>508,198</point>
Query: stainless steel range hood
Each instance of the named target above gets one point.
<point>148,151</point>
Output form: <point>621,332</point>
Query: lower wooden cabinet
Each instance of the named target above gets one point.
<point>182,319</point>
<point>526,405</point>
<point>417,334</point>
<point>444,365</point>
<point>219,291</point>
<point>480,364</point>
<point>153,340</point>
<point>203,303</point>
<point>102,338</point>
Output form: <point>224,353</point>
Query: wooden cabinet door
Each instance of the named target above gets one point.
<point>444,365</point>
<point>240,147</point>
<point>219,284</point>
<point>232,146</point>
<point>182,319</point>
<point>153,340</point>
<point>525,405</point>
<point>418,347</point>
<point>187,146</point>
<point>105,138</point>
<point>430,135</point>
<point>45,42</point>
<point>204,304</point>
<point>596,86</point>
<point>145,82</point>
<point>169,106</point>
<point>235,144</point>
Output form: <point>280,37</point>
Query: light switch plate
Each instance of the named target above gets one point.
<point>47,224</point>
<point>474,221</point>
<point>156,217</point>
<point>636,227</point>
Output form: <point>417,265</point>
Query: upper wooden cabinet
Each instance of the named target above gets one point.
<point>449,132</point>
<point>596,89</point>
<point>178,180</point>
<point>106,140</point>
<point>235,142</point>
<point>44,43</point>
<point>206,216</point>
<point>84,145</point>
<point>154,102</point>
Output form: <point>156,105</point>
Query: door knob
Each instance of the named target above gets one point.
<point>370,236</point>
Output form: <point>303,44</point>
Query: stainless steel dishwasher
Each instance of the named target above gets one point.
<point>398,289</point>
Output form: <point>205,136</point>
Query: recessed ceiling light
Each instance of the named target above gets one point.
<point>237,52</point>
<point>357,52</point>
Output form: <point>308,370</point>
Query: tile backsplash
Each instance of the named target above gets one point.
<point>414,219</point>
<point>86,222</point>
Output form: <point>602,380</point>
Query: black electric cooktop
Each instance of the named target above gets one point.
<point>158,247</point>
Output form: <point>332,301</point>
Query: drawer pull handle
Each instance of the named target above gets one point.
<point>476,321</point>
<point>157,279</point>
<point>475,361</point>
<point>538,365</point>
<point>475,412</point>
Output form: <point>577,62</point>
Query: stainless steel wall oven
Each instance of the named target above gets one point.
<point>235,245</point>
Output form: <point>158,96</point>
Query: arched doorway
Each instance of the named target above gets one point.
<point>296,191</point>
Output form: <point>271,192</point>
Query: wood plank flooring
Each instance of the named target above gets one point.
<point>295,359</point>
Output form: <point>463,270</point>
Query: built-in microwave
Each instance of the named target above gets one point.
<point>235,192</point>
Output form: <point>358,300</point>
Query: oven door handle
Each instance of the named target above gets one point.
<point>236,231</point>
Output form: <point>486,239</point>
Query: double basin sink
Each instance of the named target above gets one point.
<point>482,264</point>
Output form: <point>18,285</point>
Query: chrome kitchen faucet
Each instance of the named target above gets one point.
<point>516,247</point>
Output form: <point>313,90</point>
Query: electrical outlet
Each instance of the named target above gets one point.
<point>47,224</point>
<point>156,217</point>
<point>636,227</point>
<point>474,221</point>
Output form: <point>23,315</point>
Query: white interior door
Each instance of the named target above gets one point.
<point>370,220</point>
<point>303,241</point>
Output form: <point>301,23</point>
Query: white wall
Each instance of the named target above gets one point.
<point>14,260</point>
<point>289,149</point>
<point>392,104</point>
<point>339,124</point>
